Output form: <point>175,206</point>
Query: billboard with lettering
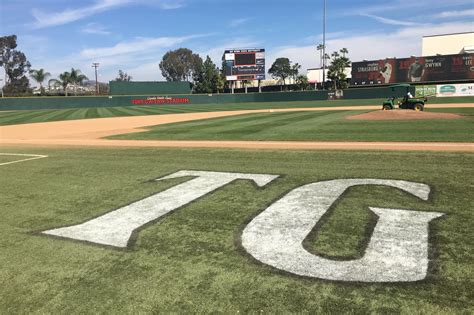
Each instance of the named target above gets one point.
<point>452,90</point>
<point>414,70</point>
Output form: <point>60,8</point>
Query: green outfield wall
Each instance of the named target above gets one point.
<point>28,103</point>
<point>148,88</point>
<point>381,92</point>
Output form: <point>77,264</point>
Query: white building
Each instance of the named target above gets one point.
<point>268,82</point>
<point>448,44</point>
<point>315,75</point>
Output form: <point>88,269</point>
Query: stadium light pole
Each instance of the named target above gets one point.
<point>2,87</point>
<point>324,43</point>
<point>95,65</point>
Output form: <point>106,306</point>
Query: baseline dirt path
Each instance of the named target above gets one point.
<point>89,132</point>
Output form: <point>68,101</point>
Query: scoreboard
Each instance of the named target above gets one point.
<point>244,64</point>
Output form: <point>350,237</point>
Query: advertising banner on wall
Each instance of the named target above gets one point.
<point>451,90</point>
<point>414,70</point>
<point>425,90</point>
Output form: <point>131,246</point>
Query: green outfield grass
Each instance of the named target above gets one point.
<point>315,126</point>
<point>191,261</point>
<point>9,158</point>
<point>33,116</point>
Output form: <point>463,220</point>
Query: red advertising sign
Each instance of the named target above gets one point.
<point>160,100</point>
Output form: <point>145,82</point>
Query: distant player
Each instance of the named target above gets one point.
<point>416,71</point>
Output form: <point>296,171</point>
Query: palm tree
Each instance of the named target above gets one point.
<point>295,70</point>
<point>39,76</point>
<point>344,51</point>
<point>77,77</point>
<point>64,80</point>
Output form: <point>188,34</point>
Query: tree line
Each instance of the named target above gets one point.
<point>176,65</point>
<point>206,77</point>
<point>184,65</point>
<point>17,68</point>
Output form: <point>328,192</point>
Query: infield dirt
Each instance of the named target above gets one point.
<point>90,132</point>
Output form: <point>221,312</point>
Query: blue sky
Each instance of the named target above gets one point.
<point>133,35</point>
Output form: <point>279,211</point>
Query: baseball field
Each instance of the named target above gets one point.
<point>255,208</point>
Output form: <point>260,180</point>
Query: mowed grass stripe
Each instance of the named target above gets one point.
<point>425,130</point>
<point>41,116</point>
<point>25,117</point>
<point>129,111</point>
<point>45,117</point>
<point>268,120</point>
<point>314,126</point>
<point>213,122</point>
<point>208,123</point>
<point>244,123</point>
<point>286,124</point>
<point>10,114</point>
<point>118,112</point>
<point>104,112</point>
<point>20,117</point>
<point>78,114</point>
<point>468,112</point>
<point>306,122</point>
<point>253,125</point>
<point>173,110</point>
<point>63,115</point>
<point>135,111</point>
<point>92,113</point>
<point>146,111</point>
<point>153,110</point>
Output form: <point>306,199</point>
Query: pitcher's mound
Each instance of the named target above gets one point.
<point>402,114</point>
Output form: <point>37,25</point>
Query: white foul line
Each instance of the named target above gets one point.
<point>31,157</point>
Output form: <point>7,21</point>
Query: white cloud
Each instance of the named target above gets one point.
<point>238,22</point>
<point>48,19</point>
<point>455,14</point>
<point>401,43</point>
<point>139,45</point>
<point>139,58</point>
<point>145,72</point>
<point>172,5</point>
<point>94,28</point>
<point>405,6</point>
<point>330,35</point>
<point>390,21</point>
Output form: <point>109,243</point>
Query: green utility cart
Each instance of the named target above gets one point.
<point>404,102</point>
